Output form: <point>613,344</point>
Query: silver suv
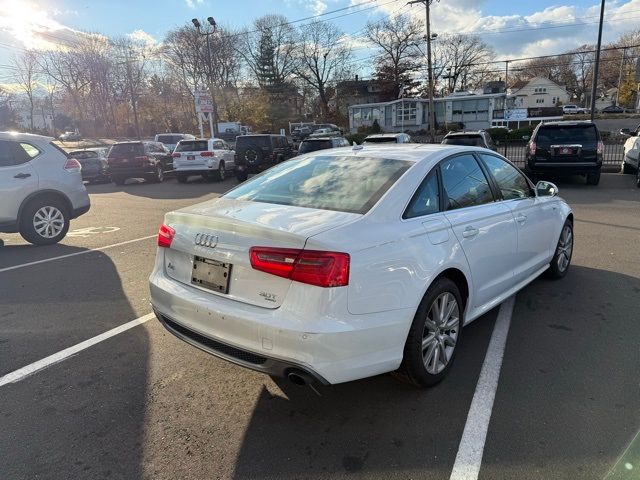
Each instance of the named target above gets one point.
<point>41,189</point>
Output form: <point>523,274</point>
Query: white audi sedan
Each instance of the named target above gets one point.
<point>351,262</point>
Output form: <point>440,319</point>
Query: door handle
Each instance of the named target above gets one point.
<point>22,175</point>
<point>521,218</point>
<point>470,232</point>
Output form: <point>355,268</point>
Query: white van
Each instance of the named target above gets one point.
<point>170,140</point>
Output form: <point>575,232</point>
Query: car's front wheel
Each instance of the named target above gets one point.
<point>564,250</point>
<point>434,335</point>
<point>44,221</point>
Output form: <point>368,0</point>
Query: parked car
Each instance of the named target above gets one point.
<point>41,188</point>
<point>330,127</point>
<point>387,138</point>
<point>255,153</point>
<point>613,109</point>
<point>170,140</point>
<point>321,143</point>
<point>631,162</point>
<point>478,138</point>
<point>70,137</point>
<point>148,160</point>
<point>300,133</point>
<point>574,148</point>
<point>573,109</point>
<point>95,168</point>
<point>353,262</point>
<point>210,158</point>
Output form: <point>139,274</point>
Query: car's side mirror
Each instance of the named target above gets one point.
<point>625,131</point>
<point>546,189</point>
<point>525,137</point>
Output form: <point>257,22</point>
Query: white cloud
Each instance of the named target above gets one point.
<point>143,37</point>
<point>193,3</point>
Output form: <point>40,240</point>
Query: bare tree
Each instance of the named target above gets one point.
<point>397,41</point>
<point>26,68</point>
<point>323,58</point>
<point>464,59</point>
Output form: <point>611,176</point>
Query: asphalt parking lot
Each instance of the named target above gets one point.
<point>142,404</point>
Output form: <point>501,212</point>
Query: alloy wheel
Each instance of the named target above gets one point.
<point>440,333</point>
<point>221,172</point>
<point>565,248</point>
<point>159,173</point>
<point>48,222</point>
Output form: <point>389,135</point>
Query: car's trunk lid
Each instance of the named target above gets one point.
<point>222,231</point>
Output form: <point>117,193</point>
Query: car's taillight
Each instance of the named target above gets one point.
<point>600,147</point>
<point>206,154</point>
<point>72,165</point>
<point>235,157</point>
<point>323,269</point>
<point>142,157</point>
<point>175,155</point>
<point>532,148</point>
<point>165,236</point>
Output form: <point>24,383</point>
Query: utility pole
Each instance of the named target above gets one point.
<point>506,75</point>
<point>624,54</point>
<point>213,116</point>
<point>596,67</point>
<point>432,110</point>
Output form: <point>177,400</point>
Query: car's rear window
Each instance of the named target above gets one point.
<point>345,184</point>
<point>381,140</point>
<point>192,146</point>
<point>313,145</point>
<point>83,155</point>
<point>126,149</point>
<point>258,141</point>
<point>566,134</point>
<point>170,139</point>
<point>464,140</point>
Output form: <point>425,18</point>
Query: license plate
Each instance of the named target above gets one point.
<point>191,157</point>
<point>211,274</point>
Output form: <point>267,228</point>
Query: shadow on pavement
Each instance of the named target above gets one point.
<point>83,417</point>
<point>364,429</point>
<point>567,402</point>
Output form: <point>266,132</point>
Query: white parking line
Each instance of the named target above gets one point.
<point>32,368</point>
<point>469,457</point>
<point>60,257</point>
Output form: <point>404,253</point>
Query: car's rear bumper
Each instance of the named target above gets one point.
<point>132,172</point>
<point>550,166</point>
<point>324,341</point>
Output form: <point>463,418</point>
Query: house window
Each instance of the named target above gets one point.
<point>366,114</point>
<point>457,107</point>
<point>406,112</point>
<point>356,114</point>
<point>469,106</point>
<point>539,100</point>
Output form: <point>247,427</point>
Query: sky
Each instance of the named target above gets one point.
<point>514,29</point>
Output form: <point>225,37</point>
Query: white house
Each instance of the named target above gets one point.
<point>537,92</point>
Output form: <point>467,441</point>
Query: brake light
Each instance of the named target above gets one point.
<point>323,269</point>
<point>600,147</point>
<point>165,236</point>
<point>207,154</point>
<point>532,148</point>
<point>175,155</point>
<point>72,165</point>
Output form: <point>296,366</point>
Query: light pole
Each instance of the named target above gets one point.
<point>214,25</point>
<point>596,66</point>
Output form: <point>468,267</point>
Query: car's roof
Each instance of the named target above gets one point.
<point>261,135</point>
<point>412,152</point>
<point>568,123</point>
<point>19,136</point>
<point>384,135</point>
<point>468,132</point>
<point>172,133</point>
<point>201,140</point>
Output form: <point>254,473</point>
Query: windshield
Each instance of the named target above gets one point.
<point>465,140</point>
<point>170,139</point>
<point>192,146</point>
<point>313,145</point>
<point>346,184</point>
<point>380,140</point>
<point>565,134</point>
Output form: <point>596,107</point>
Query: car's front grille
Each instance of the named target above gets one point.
<point>210,344</point>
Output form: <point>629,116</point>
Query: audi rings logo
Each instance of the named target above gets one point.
<point>206,240</point>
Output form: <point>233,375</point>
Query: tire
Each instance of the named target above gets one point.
<point>182,178</point>
<point>118,180</point>
<point>220,174</point>
<point>44,221</point>
<point>557,268</point>
<point>638,176</point>
<point>241,176</point>
<point>593,178</point>
<point>158,176</point>
<point>627,169</point>
<point>421,363</point>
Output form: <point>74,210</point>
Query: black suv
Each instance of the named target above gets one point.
<point>321,143</point>
<point>255,153</point>
<point>478,138</point>
<point>566,148</point>
<point>148,160</point>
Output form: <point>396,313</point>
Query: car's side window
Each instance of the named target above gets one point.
<point>464,183</point>
<point>11,154</point>
<point>30,150</point>
<point>217,145</point>
<point>426,200</point>
<point>511,182</point>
